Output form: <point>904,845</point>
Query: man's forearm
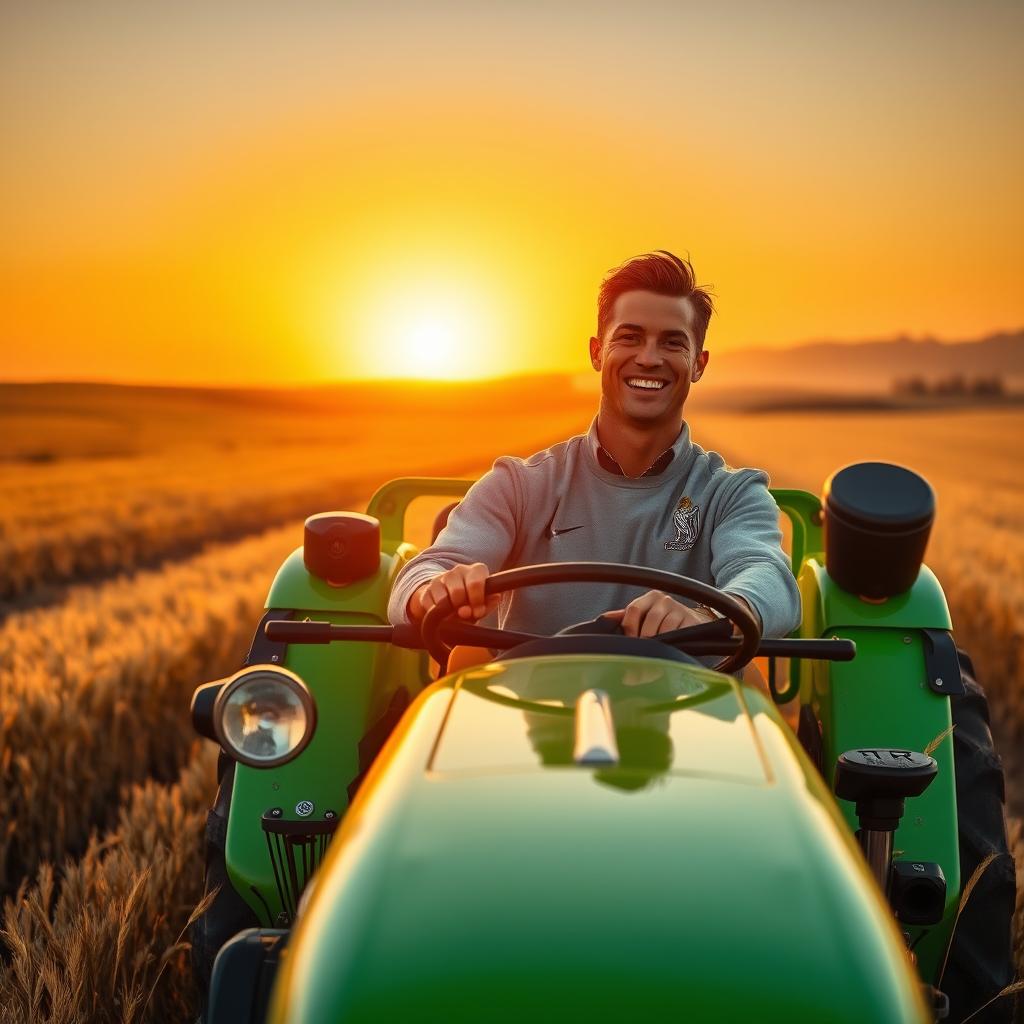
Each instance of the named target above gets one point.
<point>482,528</point>
<point>747,557</point>
<point>407,586</point>
<point>750,608</point>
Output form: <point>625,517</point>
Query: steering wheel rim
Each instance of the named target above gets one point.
<point>592,572</point>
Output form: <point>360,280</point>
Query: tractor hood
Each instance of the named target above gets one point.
<point>482,874</point>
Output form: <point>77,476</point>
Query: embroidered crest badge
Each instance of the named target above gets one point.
<point>686,520</point>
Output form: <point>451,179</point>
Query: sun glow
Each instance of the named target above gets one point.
<point>431,346</point>
<point>419,316</point>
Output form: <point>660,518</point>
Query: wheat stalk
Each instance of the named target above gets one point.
<point>965,895</point>
<point>1011,989</point>
<point>101,946</point>
<point>935,743</point>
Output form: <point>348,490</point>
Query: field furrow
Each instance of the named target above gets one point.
<point>109,521</point>
<point>75,519</point>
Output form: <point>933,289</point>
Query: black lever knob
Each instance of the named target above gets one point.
<point>880,780</point>
<point>917,891</point>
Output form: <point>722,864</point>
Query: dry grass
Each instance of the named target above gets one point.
<point>104,944</point>
<point>94,693</point>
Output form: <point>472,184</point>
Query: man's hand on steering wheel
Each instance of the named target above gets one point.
<point>655,612</point>
<point>463,586</point>
<point>442,617</point>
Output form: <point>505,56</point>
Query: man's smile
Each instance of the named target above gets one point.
<point>646,383</point>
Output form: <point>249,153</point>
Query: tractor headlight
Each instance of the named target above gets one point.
<point>264,716</point>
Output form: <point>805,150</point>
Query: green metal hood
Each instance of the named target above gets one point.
<point>482,875</point>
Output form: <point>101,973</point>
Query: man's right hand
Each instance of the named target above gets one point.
<point>464,585</point>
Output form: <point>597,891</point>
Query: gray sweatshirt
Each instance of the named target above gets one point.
<point>698,518</point>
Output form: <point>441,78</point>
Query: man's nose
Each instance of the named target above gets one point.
<point>649,355</point>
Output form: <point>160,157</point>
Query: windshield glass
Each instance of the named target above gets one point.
<point>668,719</point>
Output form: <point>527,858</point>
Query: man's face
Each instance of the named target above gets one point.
<point>648,356</point>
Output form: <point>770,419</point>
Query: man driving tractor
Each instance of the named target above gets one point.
<point>438,782</point>
<point>634,489</point>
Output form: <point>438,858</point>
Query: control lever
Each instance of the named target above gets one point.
<point>880,781</point>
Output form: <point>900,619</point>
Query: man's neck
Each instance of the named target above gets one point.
<point>635,447</point>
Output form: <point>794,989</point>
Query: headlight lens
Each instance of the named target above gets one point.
<point>264,716</point>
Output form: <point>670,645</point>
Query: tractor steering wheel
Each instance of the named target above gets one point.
<point>443,616</point>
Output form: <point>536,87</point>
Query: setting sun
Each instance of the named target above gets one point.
<point>429,348</point>
<point>391,319</point>
<point>424,336</point>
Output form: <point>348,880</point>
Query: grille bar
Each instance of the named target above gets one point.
<point>296,849</point>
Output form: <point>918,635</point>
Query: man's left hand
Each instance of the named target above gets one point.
<point>656,612</point>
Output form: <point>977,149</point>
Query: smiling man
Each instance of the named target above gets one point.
<point>635,489</point>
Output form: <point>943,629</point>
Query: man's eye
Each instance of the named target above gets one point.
<point>629,337</point>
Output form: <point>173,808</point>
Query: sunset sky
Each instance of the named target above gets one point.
<point>274,193</point>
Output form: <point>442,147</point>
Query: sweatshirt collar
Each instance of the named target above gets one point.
<point>679,450</point>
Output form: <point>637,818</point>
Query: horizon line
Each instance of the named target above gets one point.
<point>208,385</point>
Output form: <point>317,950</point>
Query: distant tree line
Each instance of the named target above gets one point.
<point>955,384</point>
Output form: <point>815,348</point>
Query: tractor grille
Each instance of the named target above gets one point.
<point>296,850</point>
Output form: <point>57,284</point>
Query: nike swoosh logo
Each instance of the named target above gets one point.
<point>552,532</point>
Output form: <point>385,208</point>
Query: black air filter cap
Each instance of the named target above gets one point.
<point>341,547</point>
<point>881,497</point>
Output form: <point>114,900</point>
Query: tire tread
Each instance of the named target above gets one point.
<point>980,962</point>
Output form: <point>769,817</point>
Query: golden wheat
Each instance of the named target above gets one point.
<point>73,519</point>
<point>94,693</point>
<point>106,943</point>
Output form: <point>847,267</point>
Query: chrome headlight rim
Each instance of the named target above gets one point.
<point>294,683</point>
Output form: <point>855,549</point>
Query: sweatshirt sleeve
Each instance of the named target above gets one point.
<point>481,528</point>
<point>747,558</point>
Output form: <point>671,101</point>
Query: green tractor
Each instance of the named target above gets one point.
<point>597,827</point>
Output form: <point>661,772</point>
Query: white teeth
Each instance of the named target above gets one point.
<point>644,382</point>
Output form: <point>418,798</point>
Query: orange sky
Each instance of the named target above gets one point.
<point>283,193</point>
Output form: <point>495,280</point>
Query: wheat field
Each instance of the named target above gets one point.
<point>103,786</point>
<point>105,676</point>
<point>78,502</point>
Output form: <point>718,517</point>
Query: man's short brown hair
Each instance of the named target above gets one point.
<point>660,272</point>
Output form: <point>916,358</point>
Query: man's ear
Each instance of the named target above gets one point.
<point>699,365</point>
<point>595,353</point>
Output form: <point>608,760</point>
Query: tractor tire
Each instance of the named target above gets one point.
<point>980,962</point>
<point>228,914</point>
